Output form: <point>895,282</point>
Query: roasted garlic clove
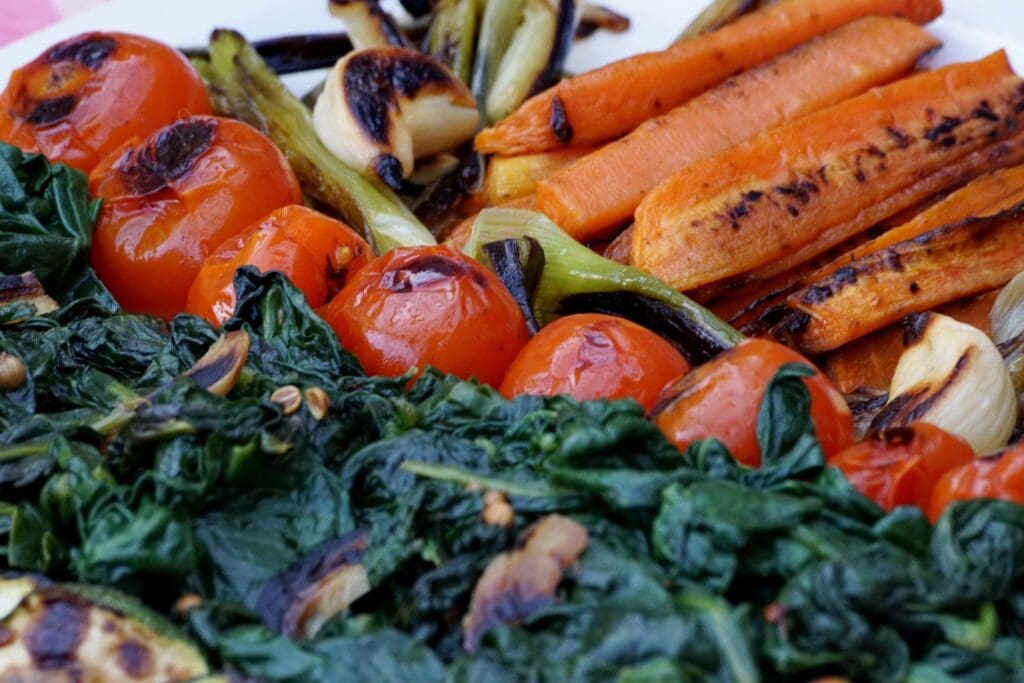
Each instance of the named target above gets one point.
<point>368,25</point>
<point>383,108</point>
<point>952,376</point>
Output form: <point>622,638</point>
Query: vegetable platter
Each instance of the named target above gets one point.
<point>472,340</point>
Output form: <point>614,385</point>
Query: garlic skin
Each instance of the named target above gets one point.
<point>383,108</point>
<point>1007,316</point>
<point>952,376</point>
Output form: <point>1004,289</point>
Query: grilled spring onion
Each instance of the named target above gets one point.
<point>575,279</point>
<point>499,22</point>
<point>535,55</point>
<point>243,87</point>
<point>452,36</point>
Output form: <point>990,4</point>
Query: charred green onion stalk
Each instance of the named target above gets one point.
<point>575,280</point>
<point>243,87</point>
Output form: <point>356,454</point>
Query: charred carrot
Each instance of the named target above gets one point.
<point>513,177</point>
<point>903,205</point>
<point>829,173</point>
<point>608,102</point>
<point>942,265</point>
<point>603,189</point>
<point>868,362</point>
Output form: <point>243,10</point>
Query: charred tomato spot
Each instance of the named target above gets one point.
<point>50,110</point>
<point>54,638</point>
<point>428,270</point>
<point>135,659</point>
<point>560,125</point>
<point>90,50</point>
<point>168,156</point>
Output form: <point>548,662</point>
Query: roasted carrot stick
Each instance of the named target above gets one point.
<point>513,177</point>
<point>942,265</point>
<point>608,102</point>
<point>824,177</point>
<point>603,189</point>
<point>868,362</point>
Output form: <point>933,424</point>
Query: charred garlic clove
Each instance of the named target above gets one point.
<point>383,108</point>
<point>952,376</point>
<point>367,23</point>
<point>1007,323</point>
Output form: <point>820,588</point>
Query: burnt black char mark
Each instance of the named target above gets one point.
<point>374,79</point>
<point>560,125</point>
<point>427,270</point>
<point>51,110</point>
<point>90,50</point>
<point>54,638</point>
<point>169,155</point>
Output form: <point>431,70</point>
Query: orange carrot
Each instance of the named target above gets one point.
<point>603,189</point>
<point>784,189</point>
<point>608,102</point>
<point>913,276</point>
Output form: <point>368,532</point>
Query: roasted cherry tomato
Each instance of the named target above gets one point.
<point>901,466</point>
<point>996,476</point>
<point>172,199</point>
<point>595,356</point>
<point>722,398</point>
<point>429,306</point>
<point>315,252</point>
<point>85,97</point>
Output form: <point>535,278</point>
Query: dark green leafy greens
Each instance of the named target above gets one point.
<point>696,568</point>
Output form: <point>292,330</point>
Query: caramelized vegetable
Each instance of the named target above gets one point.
<point>88,95</point>
<point>786,188</point>
<point>607,102</point>
<point>171,199</point>
<point>605,188</point>
<point>942,265</point>
<point>425,306</point>
<point>901,466</point>
<point>589,356</point>
<point>317,253</point>
<point>721,398</point>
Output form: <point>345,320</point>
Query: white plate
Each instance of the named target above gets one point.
<point>970,29</point>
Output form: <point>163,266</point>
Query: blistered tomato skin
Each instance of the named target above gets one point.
<point>901,466</point>
<point>171,199</point>
<point>432,306</point>
<point>86,96</point>
<point>317,253</point>
<point>998,476</point>
<point>591,356</point>
<point>721,399</point>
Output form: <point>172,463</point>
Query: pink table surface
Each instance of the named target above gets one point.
<point>21,17</point>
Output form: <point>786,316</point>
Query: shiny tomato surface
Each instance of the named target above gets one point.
<point>901,466</point>
<point>86,96</point>
<point>589,356</point>
<point>429,306</point>
<point>171,199</point>
<point>315,252</point>
<point>994,476</point>
<point>722,398</point>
